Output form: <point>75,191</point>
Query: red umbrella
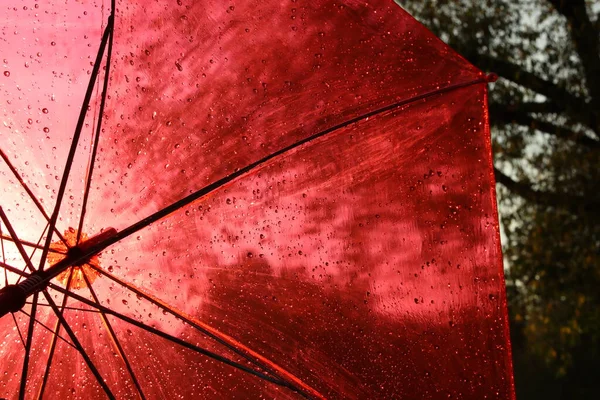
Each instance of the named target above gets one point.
<point>264,199</point>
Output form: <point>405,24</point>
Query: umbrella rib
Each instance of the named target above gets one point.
<point>29,244</point>
<point>55,335</point>
<point>14,270</point>
<point>36,246</point>
<point>171,338</point>
<point>75,141</point>
<point>252,166</point>
<point>32,319</point>
<point>68,308</point>
<point>16,240</point>
<point>28,342</point>
<point>76,342</point>
<point>114,338</point>
<point>18,329</point>
<point>30,193</point>
<point>3,256</point>
<point>293,382</point>
<point>98,129</point>
<point>46,327</point>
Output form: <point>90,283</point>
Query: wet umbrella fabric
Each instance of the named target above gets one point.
<point>339,237</point>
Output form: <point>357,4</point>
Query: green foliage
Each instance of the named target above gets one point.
<point>545,114</point>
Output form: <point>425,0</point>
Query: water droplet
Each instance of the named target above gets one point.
<point>45,110</point>
<point>6,73</point>
<point>46,129</point>
<point>125,302</point>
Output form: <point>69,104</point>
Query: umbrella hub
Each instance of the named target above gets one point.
<point>77,273</point>
<point>75,262</point>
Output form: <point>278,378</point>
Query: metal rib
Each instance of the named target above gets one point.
<point>114,338</point>
<point>55,335</point>
<point>77,344</point>
<point>98,130</point>
<point>77,134</point>
<point>169,337</point>
<point>30,193</point>
<point>28,343</point>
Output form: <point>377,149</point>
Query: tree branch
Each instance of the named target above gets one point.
<point>500,115</point>
<point>561,99</point>
<point>546,107</point>
<point>526,79</point>
<point>552,199</point>
<point>551,107</point>
<point>585,38</point>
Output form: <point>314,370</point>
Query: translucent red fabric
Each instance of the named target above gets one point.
<point>361,261</point>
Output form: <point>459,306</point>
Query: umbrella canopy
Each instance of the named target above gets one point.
<point>260,199</point>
